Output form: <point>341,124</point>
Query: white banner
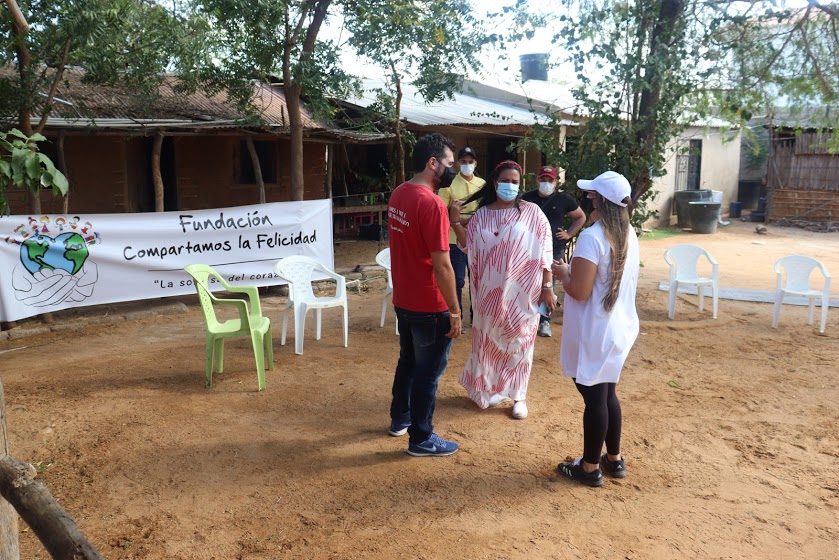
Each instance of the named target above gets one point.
<point>52,262</point>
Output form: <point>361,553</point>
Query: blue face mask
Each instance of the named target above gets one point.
<point>507,191</point>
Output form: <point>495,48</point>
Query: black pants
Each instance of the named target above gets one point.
<point>601,421</point>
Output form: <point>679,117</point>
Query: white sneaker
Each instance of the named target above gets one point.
<point>520,410</point>
<point>497,399</point>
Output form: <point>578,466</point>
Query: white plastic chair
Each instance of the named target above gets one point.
<point>798,269</point>
<point>683,261</point>
<point>297,271</point>
<point>383,260</point>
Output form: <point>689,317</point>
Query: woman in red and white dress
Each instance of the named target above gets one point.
<point>510,251</point>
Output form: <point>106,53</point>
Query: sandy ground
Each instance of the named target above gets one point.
<point>730,435</point>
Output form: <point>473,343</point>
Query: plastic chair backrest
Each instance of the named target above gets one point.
<point>685,258</point>
<point>798,270</point>
<point>383,260</point>
<point>201,274</point>
<point>298,271</point>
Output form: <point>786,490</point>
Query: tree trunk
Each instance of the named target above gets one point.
<point>48,520</point>
<point>9,545</point>
<point>660,45</point>
<point>257,168</point>
<point>295,124</point>
<point>155,172</point>
<point>62,166</point>
<point>24,60</point>
<point>400,147</point>
<point>291,87</point>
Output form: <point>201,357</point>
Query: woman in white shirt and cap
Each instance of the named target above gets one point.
<point>600,323</point>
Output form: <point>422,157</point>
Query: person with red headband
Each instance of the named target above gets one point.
<point>510,250</point>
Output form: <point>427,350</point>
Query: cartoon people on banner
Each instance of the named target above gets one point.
<point>54,263</point>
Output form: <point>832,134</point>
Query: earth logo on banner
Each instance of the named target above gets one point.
<point>54,261</point>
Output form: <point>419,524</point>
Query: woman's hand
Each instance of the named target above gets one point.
<point>559,269</point>
<point>454,210</point>
<point>548,298</point>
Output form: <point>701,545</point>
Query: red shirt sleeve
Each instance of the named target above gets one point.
<point>435,231</point>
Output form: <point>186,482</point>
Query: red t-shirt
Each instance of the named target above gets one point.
<point>418,225</point>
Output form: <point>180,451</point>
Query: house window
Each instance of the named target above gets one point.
<point>266,152</point>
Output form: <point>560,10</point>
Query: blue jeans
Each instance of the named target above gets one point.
<point>423,355</point>
<point>460,262</point>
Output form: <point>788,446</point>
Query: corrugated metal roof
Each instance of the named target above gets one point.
<point>86,104</point>
<point>464,109</point>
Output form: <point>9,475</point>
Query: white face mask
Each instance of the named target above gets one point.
<point>546,188</point>
<point>467,169</point>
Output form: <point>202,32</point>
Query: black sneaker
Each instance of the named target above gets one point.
<point>574,471</point>
<point>615,469</point>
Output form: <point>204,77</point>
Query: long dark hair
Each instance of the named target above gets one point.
<point>487,194</point>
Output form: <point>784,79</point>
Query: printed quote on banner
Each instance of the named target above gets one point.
<point>56,262</point>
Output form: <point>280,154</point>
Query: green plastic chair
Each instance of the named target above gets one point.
<point>250,322</point>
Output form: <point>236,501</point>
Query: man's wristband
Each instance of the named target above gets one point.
<point>455,315</point>
<point>454,223</point>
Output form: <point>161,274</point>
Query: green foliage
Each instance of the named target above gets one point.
<point>23,166</point>
<point>264,40</point>
<point>125,42</point>
<point>646,69</point>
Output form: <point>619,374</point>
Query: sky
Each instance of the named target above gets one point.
<point>497,67</point>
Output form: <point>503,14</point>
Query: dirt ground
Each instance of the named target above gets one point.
<point>731,436</point>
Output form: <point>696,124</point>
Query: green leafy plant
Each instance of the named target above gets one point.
<point>23,166</point>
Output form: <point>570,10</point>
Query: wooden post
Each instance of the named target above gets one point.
<point>257,168</point>
<point>327,188</point>
<point>9,545</point>
<point>155,172</point>
<point>344,174</point>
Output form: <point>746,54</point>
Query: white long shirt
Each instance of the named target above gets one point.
<point>595,343</point>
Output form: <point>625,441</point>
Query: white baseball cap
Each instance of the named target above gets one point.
<point>610,185</point>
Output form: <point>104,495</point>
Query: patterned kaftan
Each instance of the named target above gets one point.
<point>507,252</point>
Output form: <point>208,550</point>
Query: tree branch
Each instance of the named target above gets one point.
<point>832,10</point>
<point>304,13</point>
<point>314,29</point>
<point>826,89</point>
<point>36,506</point>
<point>17,16</point>
<point>54,86</point>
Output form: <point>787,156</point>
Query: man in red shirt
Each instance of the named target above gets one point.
<point>423,295</point>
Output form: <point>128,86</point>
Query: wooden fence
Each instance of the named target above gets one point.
<point>803,179</point>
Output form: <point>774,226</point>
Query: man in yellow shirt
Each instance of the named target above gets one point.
<point>463,186</point>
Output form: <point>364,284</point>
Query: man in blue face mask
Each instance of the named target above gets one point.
<point>556,205</point>
<point>463,186</point>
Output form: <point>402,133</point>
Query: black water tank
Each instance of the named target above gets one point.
<point>681,199</point>
<point>534,67</point>
<point>704,216</point>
